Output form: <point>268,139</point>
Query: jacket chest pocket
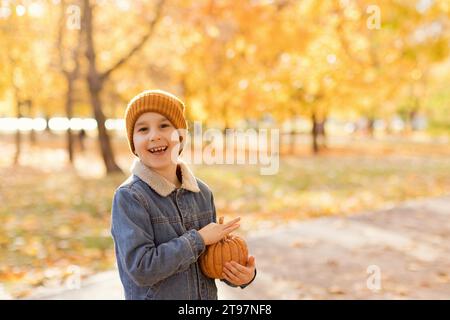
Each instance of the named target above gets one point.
<point>166,227</point>
<point>167,218</point>
<point>198,220</point>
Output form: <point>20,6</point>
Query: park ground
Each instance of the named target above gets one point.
<point>361,202</point>
<point>406,246</point>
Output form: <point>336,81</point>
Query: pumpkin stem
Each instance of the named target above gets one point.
<point>221,220</point>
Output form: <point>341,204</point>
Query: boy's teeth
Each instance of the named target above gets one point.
<point>157,149</point>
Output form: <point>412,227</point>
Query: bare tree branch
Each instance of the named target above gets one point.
<point>139,45</point>
<point>59,39</point>
<point>75,52</point>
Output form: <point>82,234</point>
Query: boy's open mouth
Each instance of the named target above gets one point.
<point>158,150</point>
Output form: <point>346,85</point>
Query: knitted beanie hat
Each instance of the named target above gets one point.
<point>158,101</point>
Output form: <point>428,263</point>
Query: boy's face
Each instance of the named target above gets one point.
<point>156,140</point>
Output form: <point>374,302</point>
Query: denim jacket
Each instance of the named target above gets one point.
<point>154,227</point>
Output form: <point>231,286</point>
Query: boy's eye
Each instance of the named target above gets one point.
<point>164,125</point>
<point>142,129</point>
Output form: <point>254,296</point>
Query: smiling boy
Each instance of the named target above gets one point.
<point>162,216</point>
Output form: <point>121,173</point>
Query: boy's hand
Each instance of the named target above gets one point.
<point>214,232</point>
<point>238,274</point>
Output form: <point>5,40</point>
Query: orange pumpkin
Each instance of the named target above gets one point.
<point>230,248</point>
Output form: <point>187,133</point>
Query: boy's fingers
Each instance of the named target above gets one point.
<point>231,228</point>
<point>232,222</point>
<point>236,271</point>
<point>227,278</point>
<point>230,275</point>
<point>251,261</point>
<point>239,267</point>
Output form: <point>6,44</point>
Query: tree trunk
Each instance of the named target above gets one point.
<point>96,79</point>
<point>69,114</point>
<point>370,127</point>
<point>104,141</point>
<point>18,135</point>
<point>33,139</point>
<point>95,83</point>
<point>314,133</point>
<point>32,131</point>
<point>292,136</point>
<point>322,133</point>
<point>225,118</point>
<point>18,143</point>
<point>412,114</point>
<point>70,74</point>
<point>47,120</point>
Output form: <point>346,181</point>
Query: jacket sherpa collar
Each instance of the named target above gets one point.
<point>160,184</point>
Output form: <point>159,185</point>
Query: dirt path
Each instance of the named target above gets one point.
<point>335,258</point>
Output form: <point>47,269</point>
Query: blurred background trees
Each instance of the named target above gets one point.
<point>233,62</point>
<point>358,89</point>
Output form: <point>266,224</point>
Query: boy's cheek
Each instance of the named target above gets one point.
<point>137,141</point>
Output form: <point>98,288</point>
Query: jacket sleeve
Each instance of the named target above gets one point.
<point>224,280</point>
<point>146,263</point>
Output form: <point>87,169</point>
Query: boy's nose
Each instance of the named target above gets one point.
<point>154,136</point>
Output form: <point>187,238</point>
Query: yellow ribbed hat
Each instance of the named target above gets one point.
<point>158,101</point>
